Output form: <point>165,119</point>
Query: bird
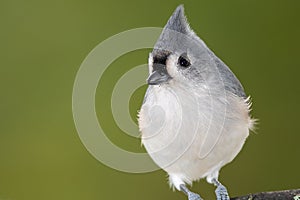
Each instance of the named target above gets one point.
<point>195,117</point>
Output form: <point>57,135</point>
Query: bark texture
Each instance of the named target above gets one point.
<point>276,195</point>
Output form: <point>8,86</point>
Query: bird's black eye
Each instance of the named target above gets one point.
<point>183,61</point>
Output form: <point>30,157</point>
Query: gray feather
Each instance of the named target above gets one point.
<point>178,22</point>
<point>177,37</point>
<point>232,84</point>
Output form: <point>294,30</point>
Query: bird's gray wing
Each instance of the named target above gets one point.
<point>232,84</point>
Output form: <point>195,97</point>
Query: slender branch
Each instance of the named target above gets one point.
<point>276,195</point>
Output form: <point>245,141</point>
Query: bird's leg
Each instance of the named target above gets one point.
<point>221,191</point>
<point>189,194</point>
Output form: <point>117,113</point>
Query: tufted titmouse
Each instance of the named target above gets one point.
<point>195,115</point>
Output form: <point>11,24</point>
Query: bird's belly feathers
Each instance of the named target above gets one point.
<point>192,135</point>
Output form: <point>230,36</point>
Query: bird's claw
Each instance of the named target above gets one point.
<point>221,193</point>
<point>194,196</point>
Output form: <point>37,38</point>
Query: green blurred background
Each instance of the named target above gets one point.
<point>43,44</point>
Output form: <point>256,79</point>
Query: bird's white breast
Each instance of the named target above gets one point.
<point>192,134</point>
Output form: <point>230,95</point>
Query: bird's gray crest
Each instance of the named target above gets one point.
<point>178,21</point>
<point>176,34</point>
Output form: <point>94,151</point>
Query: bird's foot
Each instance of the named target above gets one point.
<point>221,193</point>
<point>189,194</point>
<point>194,196</point>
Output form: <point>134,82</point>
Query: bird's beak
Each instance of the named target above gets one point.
<point>159,75</point>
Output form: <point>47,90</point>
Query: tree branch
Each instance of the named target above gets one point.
<point>276,195</point>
